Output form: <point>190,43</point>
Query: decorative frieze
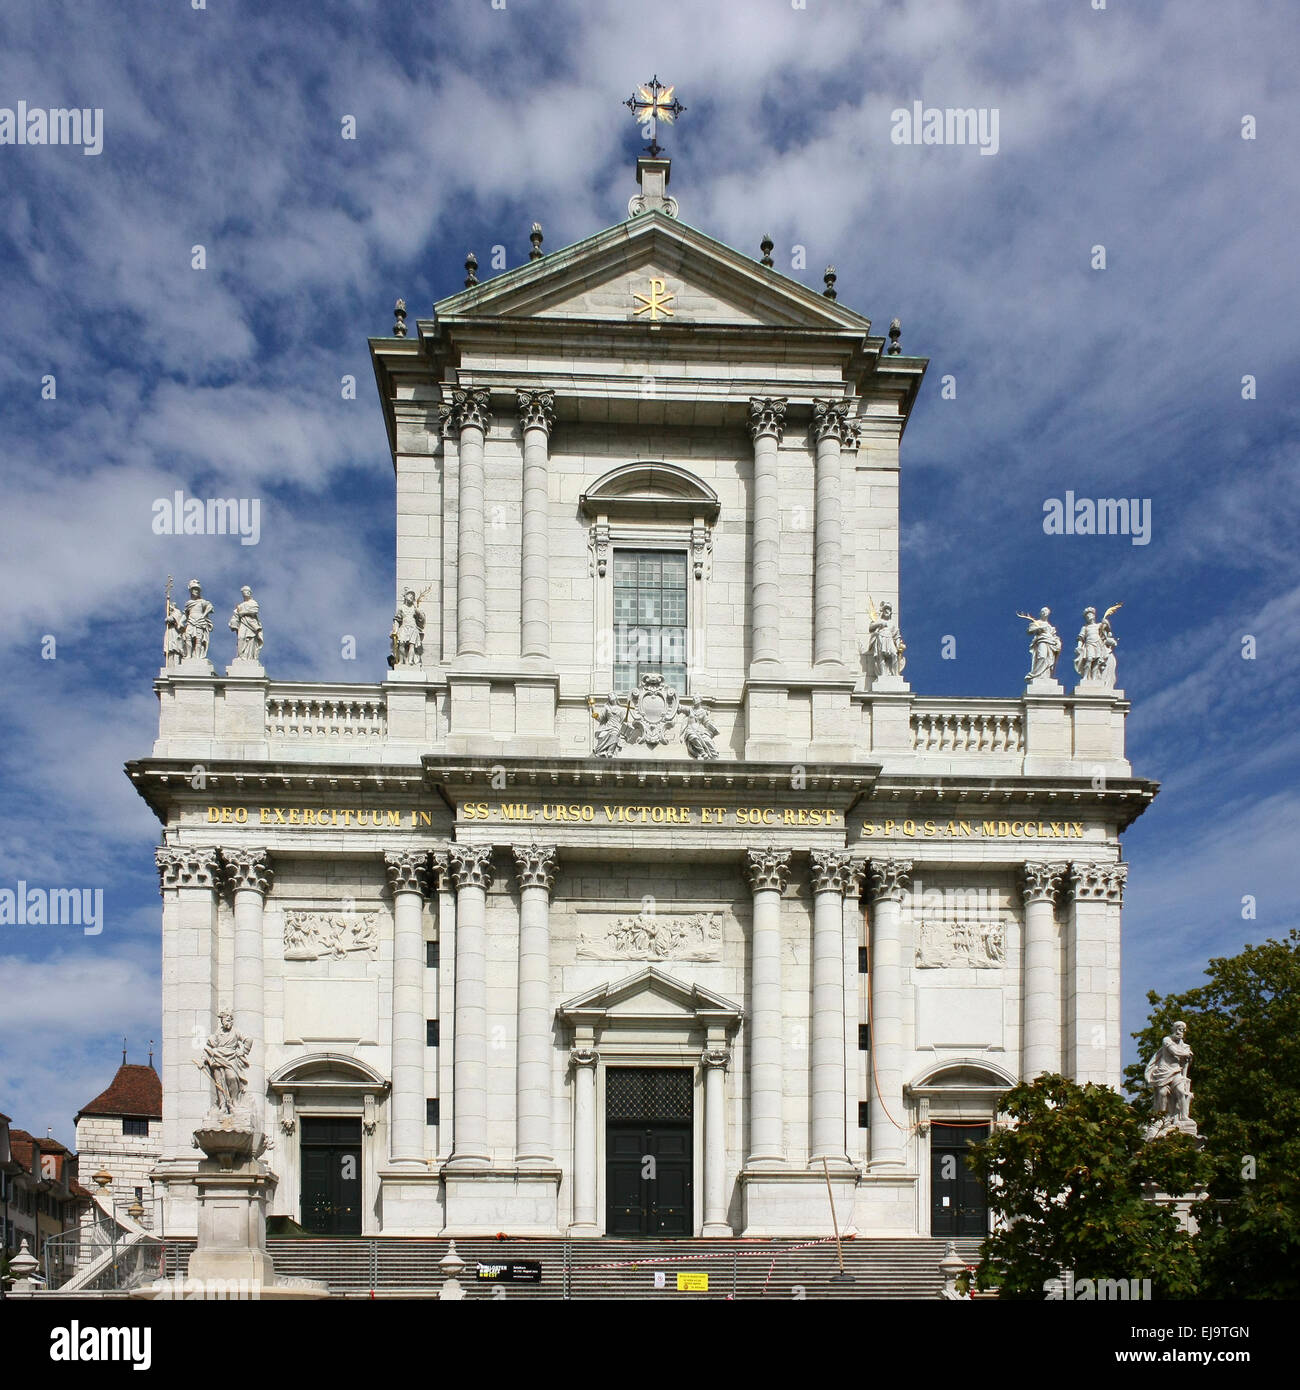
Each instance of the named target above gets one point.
<point>536,410</point>
<point>978,945</point>
<point>767,415</point>
<point>1098,882</point>
<point>835,871</point>
<point>247,869</point>
<point>187,866</point>
<point>888,879</point>
<point>649,936</point>
<point>831,420</point>
<point>536,865</point>
<point>471,866</point>
<point>408,871</point>
<point>311,935</point>
<point>768,868</point>
<point>1041,883</point>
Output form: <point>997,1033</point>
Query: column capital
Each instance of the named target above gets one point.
<point>719,1057</point>
<point>831,420</point>
<point>1041,882</point>
<point>835,871</point>
<point>471,866</point>
<point>439,869</point>
<point>536,410</point>
<point>766,416</point>
<point>467,409</point>
<point>535,865</point>
<point>1098,883</point>
<point>187,866</point>
<point>408,871</point>
<point>247,869</point>
<point>768,868</point>
<point>888,879</point>
<point>584,1056</point>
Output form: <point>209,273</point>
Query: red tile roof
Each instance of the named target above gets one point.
<point>135,1090</point>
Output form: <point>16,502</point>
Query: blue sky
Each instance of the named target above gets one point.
<point>1119,127</point>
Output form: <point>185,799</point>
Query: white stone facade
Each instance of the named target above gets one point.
<point>651,908</point>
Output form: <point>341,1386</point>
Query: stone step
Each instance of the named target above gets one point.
<point>603,1269</point>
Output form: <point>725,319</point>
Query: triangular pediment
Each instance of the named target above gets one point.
<point>650,994</point>
<point>652,268</point>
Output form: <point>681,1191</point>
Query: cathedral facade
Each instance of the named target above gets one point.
<point>641,895</point>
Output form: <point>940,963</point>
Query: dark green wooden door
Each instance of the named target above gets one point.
<point>331,1176</point>
<point>649,1151</point>
<point>958,1203</point>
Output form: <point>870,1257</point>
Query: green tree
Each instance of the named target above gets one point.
<point>1068,1178</point>
<point>1244,1030</point>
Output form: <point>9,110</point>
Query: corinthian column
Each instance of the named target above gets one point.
<point>887,883</point>
<point>249,877</point>
<point>833,874</point>
<point>833,431</point>
<point>766,421</point>
<point>536,417</point>
<point>1041,1043</point>
<point>188,879</point>
<point>714,1060</point>
<point>536,868</point>
<point>1092,1031</point>
<point>408,878</point>
<point>769,870</point>
<point>471,872</point>
<point>584,1058</point>
<point>469,416</point>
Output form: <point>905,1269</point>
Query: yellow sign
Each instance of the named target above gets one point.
<point>320,817</point>
<point>584,813</point>
<point>974,829</point>
<point>693,1282</point>
<point>656,302</point>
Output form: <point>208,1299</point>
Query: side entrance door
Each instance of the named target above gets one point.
<point>331,1176</point>
<point>649,1151</point>
<point>958,1203</point>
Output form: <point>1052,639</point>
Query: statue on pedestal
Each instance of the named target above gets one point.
<point>1094,651</point>
<point>407,636</point>
<point>1044,645</point>
<point>1168,1073</point>
<point>225,1059</point>
<point>247,627</point>
<point>885,646</point>
<point>699,731</point>
<point>196,624</point>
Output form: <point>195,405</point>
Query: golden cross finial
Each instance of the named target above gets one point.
<point>651,104</point>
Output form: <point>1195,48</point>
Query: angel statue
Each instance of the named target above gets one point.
<point>611,727</point>
<point>699,731</point>
<point>1044,645</point>
<point>1094,651</point>
<point>1168,1073</point>
<point>885,645</point>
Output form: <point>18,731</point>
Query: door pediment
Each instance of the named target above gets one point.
<point>649,996</point>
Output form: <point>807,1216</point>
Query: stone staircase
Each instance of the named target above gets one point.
<point>396,1266</point>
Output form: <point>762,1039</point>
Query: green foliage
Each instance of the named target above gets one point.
<point>1244,1030</point>
<point>1068,1179</point>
